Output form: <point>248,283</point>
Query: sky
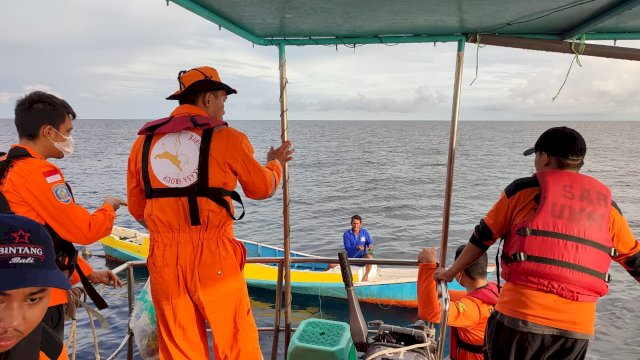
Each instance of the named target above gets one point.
<point>119,59</point>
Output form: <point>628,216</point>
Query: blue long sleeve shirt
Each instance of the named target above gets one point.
<point>352,241</point>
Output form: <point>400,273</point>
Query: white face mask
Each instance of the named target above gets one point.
<point>65,146</point>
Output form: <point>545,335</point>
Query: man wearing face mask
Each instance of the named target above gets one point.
<point>35,188</point>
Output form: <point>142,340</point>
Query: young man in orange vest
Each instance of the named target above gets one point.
<point>28,274</point>
<point>36,188</point>
<point>183,171</point>
<point>471,308</point>
<point>561,229</point>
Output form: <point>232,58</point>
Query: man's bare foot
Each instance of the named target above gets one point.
<point>365,279</point>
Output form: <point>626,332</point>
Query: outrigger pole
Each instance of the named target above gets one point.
<point>453,136</point>
<point>285,200</point>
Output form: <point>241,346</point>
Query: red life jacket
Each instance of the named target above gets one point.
<point>200,188</point>
<point>488,294</point>
<point>174,124</point>
<point>565,248</point>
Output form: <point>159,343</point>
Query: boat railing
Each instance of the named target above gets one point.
<point>130,266</point>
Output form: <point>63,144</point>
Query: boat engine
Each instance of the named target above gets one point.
<point>416,342</point>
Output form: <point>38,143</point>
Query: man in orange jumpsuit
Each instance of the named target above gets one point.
<point>561,229</point>
<point>182,173</point>
<point>36,188</point>
<point>28,274</point>
<point>468,317</point>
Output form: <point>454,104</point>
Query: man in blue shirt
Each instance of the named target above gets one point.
<point>358,243</point>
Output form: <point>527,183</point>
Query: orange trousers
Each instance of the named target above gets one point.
<point>197,277</point>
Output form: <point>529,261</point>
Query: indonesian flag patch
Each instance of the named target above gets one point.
<point>52,176</point>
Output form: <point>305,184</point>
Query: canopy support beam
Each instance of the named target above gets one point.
<point>600,19</point>
<point>558,46</point>
<point>453,137</point>
<point>285,199</point>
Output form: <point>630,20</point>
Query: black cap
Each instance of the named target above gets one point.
<point>561,142</point>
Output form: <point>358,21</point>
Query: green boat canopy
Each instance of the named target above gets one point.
<point>307,22</point>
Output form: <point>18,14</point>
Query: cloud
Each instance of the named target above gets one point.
<point>10,98</point>
<point>422,99</point>
<point>593,90</point>
<point>119,59</point>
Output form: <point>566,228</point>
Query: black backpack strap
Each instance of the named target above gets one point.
<point>217,195</point>
<point>91,291</point>
<point>66,253</point>
<point>50,343</point>
<point>498,264</point>
<point>475,349</point>
<point>14,153</point>
<point>18,152</point>
<point>146,180</point>
<point>67,261</point>
<point>203,176</point>
<point>4,204</point>
<point>27,348</point>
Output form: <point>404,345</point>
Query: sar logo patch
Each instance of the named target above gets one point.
<point>461,306</point>
<point>62,193</point>
<point>174,159</point>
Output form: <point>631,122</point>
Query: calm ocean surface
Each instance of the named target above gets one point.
<point>393,175</point>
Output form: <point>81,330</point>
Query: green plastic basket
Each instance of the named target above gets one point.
<point>317,339</point>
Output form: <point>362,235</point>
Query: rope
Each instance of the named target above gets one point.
<point>77,297</point>
<point>478,46</point>
<point>375,294</point>
<point>575,59</point>
<point>396,350</point>
<point>72,335</point>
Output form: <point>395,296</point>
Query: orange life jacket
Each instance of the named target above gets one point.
<point>565,248</point>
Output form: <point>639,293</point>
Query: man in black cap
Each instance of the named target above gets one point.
<point>28,272</point>
<point>561,229</point>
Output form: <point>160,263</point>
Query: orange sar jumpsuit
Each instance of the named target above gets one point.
<point>468,314</point>
<point>575,318</point>
<point>36,188</point>
<point>196,271</point>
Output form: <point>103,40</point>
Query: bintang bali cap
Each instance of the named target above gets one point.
<point>561,142</point>
<point>27,257</point>
<point>204,78</point>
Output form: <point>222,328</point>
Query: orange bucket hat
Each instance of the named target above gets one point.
<point>204,78</point>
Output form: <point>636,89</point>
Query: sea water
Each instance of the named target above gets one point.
<point>392,173</point>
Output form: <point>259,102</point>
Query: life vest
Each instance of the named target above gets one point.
<point>66,253</point>
<point>488,294</point>
<point>200,188</point>
<point>565,248</point>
